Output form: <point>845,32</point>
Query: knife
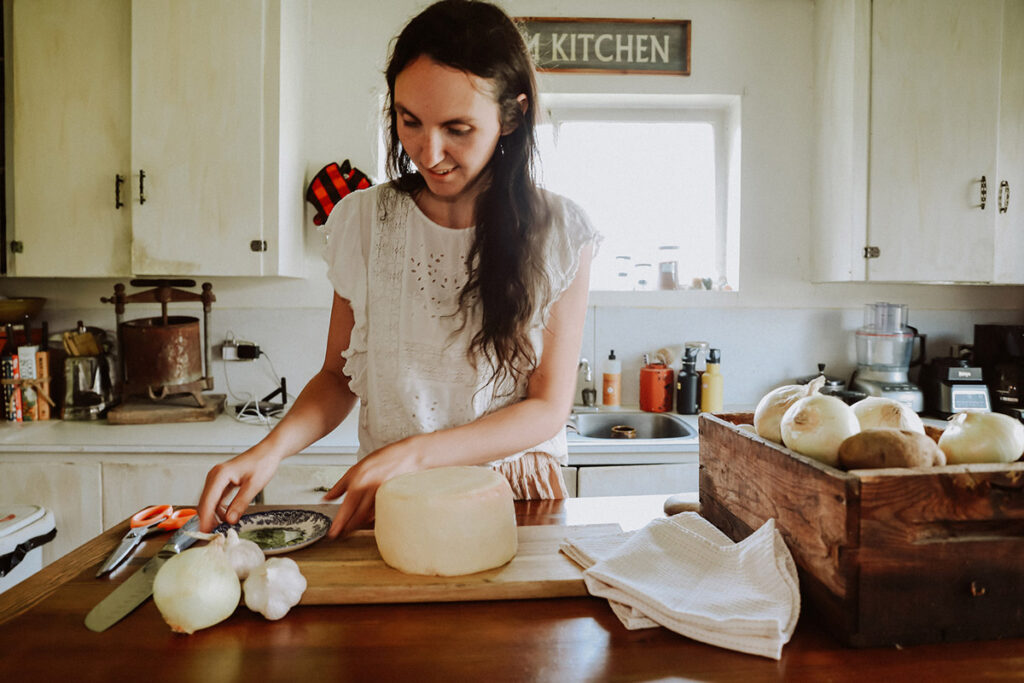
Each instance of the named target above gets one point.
<point>139,586</point>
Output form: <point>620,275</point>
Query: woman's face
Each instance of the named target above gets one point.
<point>448,124</point>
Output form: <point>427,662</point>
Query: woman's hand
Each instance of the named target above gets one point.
<point>360,483</point>
<point>244,476</point>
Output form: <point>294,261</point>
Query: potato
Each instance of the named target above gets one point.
<point>888,447</point>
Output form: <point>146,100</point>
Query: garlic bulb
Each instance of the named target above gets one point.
<point>243,554</point>
<point>197,588</point>
<point>982,437</point>
<point>877,411</point>
<point>774,404</point>
<point>815,426</point>
<point>274,587</point>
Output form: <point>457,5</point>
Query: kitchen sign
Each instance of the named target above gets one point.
<point>625,46</point>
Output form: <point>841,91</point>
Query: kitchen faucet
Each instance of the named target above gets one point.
<point>589,392</point>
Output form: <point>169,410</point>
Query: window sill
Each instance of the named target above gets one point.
<point>683,298</point>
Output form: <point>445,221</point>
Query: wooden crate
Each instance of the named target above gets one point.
<point>887,556</point>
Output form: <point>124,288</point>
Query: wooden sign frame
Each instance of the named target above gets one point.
<point>598,45</point>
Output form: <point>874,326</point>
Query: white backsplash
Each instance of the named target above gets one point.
<point>761,348</point>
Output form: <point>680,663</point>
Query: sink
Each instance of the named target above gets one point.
<point>599,425</point>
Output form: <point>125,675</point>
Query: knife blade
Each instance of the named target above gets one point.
<point>139,586</point>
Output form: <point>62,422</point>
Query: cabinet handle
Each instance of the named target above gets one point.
<point>118,181</point>
<point>142,188</point>
<point>1004,196</point>
<point>984,192</point>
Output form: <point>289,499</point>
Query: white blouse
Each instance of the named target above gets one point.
<point>402,274</point>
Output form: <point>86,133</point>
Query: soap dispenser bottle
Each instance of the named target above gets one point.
<point>612,381</point>
<point>711,384</point>
<point>688,383</point>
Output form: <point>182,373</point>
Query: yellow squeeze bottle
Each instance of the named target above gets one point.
<point>711,384</point>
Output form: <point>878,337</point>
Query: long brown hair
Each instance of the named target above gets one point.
<point>506,260</point>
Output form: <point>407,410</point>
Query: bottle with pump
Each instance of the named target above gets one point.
<point>687,383</point>
<point>711,384</point>
<point>612,381</point>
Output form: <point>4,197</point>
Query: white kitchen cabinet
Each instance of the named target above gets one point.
<point>215,133</point>
<point>70,111</point>
<point>71,492</point>
<point>307,484</point>
<point>908,94</point>
<point>192,103</point>
<point>635,480</point>
<point>302,484</point>
<point>569,474</point>
<point>1009,196</point>
<point>129,487</point>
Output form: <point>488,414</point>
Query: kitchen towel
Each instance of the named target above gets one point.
<point>684,574</point>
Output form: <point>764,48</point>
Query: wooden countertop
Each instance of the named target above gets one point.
<point>565,639</point>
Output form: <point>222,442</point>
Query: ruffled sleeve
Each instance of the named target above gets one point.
<point>572,232</point>
<point>347,251</point>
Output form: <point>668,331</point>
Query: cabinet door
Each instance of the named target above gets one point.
<point>302,484</point>
<point>70,492</point>
<point>71,107</point>
<point>934,124</point>
<point>569,474</point>
<point>1010,223</point>
<point>197,72</point>
<point>129,488</point>
<point>636,480</point>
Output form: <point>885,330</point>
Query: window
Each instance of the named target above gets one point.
<point>659,178</point>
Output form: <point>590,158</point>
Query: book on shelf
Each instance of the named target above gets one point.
<point>9,371</point>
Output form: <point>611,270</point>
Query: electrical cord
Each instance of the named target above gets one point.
<point>253,411</point>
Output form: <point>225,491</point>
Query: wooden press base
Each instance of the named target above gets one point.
<point>139,411</point>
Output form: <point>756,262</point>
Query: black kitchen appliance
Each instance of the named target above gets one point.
<point>952,385</point>
<point>999,352</point>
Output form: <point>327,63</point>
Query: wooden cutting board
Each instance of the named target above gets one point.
<point>174,409</point>
<point>352,571</point>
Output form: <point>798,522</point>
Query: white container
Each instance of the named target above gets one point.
<point>24,529</point>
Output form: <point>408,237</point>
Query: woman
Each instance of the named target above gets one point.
<point>460,286</point>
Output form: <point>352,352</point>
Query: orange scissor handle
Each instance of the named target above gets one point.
<point>151,514</point>
<point>166,515</point>
<point>177,519</point>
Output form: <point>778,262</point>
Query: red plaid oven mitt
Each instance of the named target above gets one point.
<point>331,184</point>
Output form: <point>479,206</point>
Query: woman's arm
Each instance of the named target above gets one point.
<point>321,406</point>
<point>513,428</point>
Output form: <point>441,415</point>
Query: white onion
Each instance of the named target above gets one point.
<point>774,404</point>
<point>815,426</point>
<point>982,437</point>
<point>875,411</point>
<point>197,588</point>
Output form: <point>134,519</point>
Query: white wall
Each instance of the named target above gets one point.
<point>777,327</point>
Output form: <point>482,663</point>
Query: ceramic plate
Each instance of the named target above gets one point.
<point>280,531</point>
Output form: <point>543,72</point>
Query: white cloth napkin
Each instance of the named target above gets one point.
<point>684,574</point>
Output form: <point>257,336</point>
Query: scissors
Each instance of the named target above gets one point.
<point>163,517</point>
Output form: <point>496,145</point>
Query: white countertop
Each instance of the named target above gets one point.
<point>227,436</point>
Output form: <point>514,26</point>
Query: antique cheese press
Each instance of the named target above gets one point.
<point>162,357</point>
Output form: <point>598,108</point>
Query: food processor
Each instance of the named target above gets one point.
<point>884,347</point>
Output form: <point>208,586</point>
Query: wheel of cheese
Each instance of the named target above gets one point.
<point>446,521</point>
